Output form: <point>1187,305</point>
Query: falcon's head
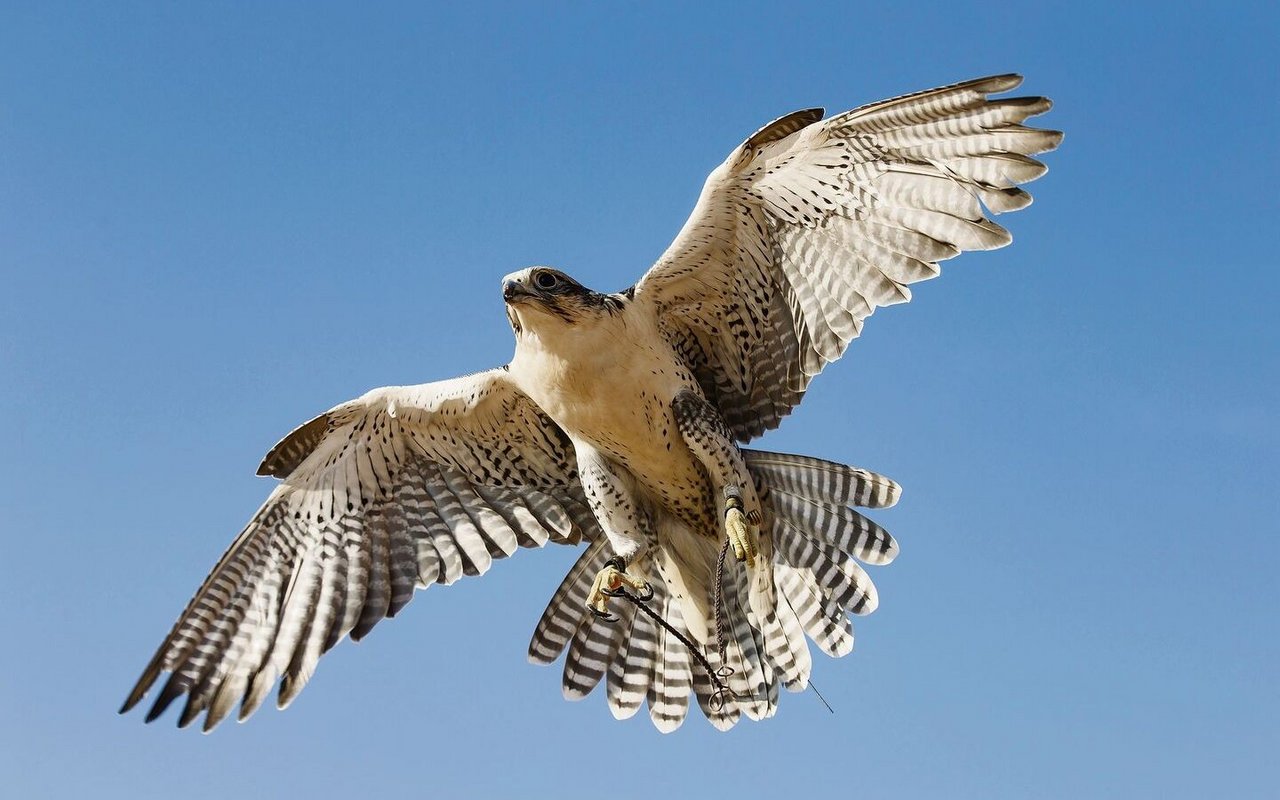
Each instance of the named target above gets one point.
<point>547,301</point>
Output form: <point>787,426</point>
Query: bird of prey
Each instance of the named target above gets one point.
<point>618,425</point>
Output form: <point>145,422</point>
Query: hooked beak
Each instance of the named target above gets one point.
<point>513,292</point>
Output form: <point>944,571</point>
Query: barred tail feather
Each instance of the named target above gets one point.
<point>672,679</point>
<point>806,583</point>
<point>823,481</point>
<point>560,621</point>
<point>624,690</point>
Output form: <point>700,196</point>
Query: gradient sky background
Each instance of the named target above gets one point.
<point>218,220</point>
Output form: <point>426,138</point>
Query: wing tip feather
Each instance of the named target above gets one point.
<point>282,459</point>
<point>994,84</point>
<point>172,691</point>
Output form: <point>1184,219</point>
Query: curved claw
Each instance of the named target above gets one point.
<point>603,616</point>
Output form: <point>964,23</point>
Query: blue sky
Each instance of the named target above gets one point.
<point>218,220</point>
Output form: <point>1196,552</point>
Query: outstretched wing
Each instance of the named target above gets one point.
<point>404,487</point>
<point>812,224</point>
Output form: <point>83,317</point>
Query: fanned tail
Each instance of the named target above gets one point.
<point>806,582</point>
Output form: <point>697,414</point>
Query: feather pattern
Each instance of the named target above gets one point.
<point>404,487</point>
<point>626,697</point>
<point>671,681</point>
<point>811,225</point>
<point>806,582</point>
<point>560,620</point>
<point>633,667</point>
<point>837,526</point>
<point>590,653</point>
<point>823,481</point>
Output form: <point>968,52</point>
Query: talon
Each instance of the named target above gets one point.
<point>610,582</point>
<point>603,616</point>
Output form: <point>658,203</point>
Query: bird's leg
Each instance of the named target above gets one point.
<point>711,442</point>
<point>611,495</point>
<point>736,528</point>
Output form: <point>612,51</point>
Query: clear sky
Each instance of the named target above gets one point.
<point>219,219</point>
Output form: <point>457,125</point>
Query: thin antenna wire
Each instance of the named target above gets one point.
<point>820,697</point>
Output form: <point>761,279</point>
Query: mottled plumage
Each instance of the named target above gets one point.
<point>618,425</point>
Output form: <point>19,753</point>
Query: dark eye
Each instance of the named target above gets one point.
<point>545,280</point>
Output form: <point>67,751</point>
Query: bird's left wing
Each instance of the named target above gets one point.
<point>401,488</point>
<point>811,224</point>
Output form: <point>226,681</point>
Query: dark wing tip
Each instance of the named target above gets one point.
<point>782,127</point>
<point>290,451</point>
<point>190,711</point>
<point>131,700</point>
<point>1034,105</point>
<point>144,683</point>
<point>996,83</point>
<point>172,690</point>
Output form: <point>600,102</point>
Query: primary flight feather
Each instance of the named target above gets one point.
<point>618,425</point>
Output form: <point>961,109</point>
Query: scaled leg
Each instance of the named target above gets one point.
<point>711,442</point>
<point>610,494</point>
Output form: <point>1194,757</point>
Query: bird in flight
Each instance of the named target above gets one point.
<point>619,426</point>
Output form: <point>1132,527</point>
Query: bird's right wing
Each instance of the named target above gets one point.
<point>404,487</point>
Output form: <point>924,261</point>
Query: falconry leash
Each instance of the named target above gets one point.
<point>718,677</point>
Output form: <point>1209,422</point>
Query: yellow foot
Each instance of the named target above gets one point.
<point>609,583</point>
<point>741,539</point>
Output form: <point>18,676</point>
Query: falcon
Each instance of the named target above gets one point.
<point>619,426</point>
